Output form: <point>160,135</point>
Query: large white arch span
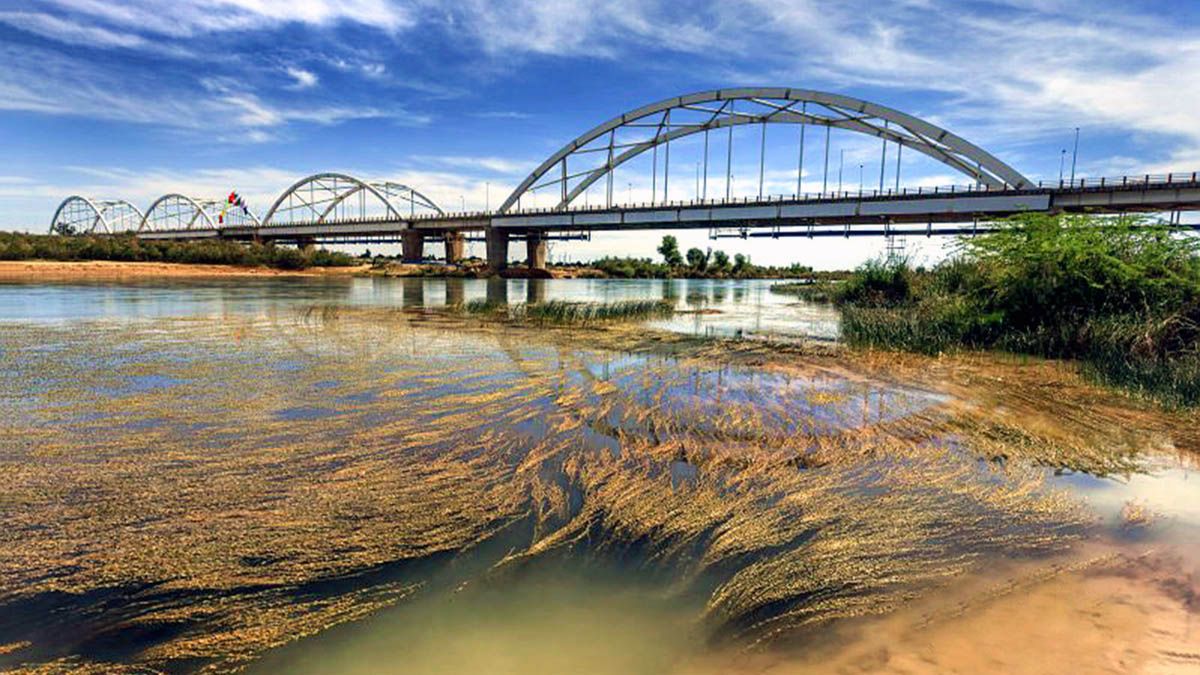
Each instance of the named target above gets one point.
<point>79,215</point>
<point>313,199</point>
<point>769,105</point>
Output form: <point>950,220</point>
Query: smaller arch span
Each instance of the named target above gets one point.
<point>328,195</point>
<point>175,211</point>
<point>84,215</point>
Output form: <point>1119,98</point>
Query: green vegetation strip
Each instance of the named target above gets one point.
<point>127,248</point>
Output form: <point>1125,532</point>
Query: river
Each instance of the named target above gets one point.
<point>331,475</point>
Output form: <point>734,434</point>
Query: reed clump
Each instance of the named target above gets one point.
<point>569,313</point>
<point>1120,295</point>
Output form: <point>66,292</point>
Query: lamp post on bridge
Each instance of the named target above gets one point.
<point>1074,156</point>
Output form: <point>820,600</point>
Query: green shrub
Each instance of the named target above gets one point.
<point>1121,294</point>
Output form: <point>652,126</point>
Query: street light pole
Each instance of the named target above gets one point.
<point>1074,156</point>
<point>841,165</point>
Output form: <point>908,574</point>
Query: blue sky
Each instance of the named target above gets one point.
<point>462,99</point>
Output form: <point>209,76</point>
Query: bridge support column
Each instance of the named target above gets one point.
<point>412,246</point>
<point>535,249</point>
<point>306,244</point>
<point>455,241</point>
<point>497,249</point>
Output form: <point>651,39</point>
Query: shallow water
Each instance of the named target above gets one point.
<point>717,306</point>
<point>211,478</point>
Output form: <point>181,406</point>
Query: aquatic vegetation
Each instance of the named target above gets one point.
<point>571,313</point>
<point>816,291</point>
<point>241,483</point>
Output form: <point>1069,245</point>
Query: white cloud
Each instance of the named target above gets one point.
<point>187,18</point>
<point>44,81</point>
<point>304,79</point>
<point>70,32</point>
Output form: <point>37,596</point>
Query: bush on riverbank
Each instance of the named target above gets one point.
<point>127,248</point>
<point>718,267</point>
<point>1120,294</point>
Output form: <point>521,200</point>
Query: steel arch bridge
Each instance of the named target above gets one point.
<point>175,211</point>
<point>598,153</point>
<point>337,207</point>
<point>83,215</point>
<point>332,196</point>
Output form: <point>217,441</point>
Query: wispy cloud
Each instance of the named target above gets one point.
<point>304,79</point>
<point>71,32</point>
<point>187,18</point>
<point>499,165</point>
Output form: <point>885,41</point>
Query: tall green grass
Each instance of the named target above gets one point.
<point>1122,295</point>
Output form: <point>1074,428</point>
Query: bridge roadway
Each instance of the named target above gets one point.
<point>842,214</point>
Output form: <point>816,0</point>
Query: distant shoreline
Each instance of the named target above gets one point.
<point>31,270</point>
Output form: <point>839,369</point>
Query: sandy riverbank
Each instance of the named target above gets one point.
<point>103,269</point>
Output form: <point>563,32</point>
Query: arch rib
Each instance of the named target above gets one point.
<point>97,220</point>
<point>359,186</point>
<point>387,189</point>
<point>198,210</point>
<point>852,114</point>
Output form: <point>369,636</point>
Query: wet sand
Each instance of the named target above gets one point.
<point>35,270</point>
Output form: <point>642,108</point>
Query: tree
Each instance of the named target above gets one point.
<point>669,249</point>
<point>720,262</point>
<point>740,263</point>
<point>697,259</point>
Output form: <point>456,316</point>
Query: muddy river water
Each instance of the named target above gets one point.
<point>318,476</point>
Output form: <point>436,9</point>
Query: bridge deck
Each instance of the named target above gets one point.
<point>847,210</point>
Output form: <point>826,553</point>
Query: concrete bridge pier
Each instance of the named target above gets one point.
<point>306,244</point>
<point>455,242</point>
<point>497,249</point>
<point>535,251</point>
<point>412,246</point>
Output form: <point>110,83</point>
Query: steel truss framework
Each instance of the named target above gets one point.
<point>335,197</point>
<point>180,212</point>
<point>82,215</point>
<point>596,154</point>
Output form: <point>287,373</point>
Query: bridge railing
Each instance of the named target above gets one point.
<point>1079,183</point>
